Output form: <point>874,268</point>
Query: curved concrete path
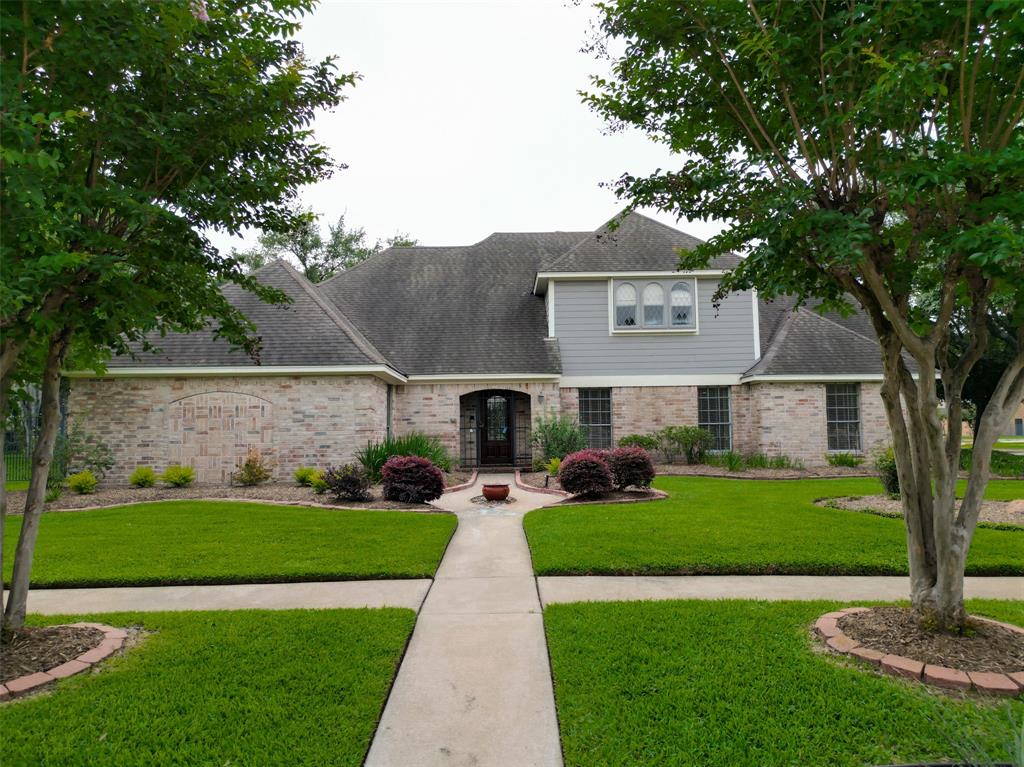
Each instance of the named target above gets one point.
<point>474,687</point>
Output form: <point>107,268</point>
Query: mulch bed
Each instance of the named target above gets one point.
<point>987,647</point>
<point>280,492</point>
<point>992,512</point>
<point>29,650</point>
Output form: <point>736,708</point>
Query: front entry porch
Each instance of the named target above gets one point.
<point>494,429</point>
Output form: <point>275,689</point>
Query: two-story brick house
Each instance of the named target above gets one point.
<point>472,343</point>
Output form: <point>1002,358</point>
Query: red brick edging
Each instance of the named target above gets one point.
<point>534,489</point>
<point>1012,684</point>
<point>469,483</point>
<point>113,640</point>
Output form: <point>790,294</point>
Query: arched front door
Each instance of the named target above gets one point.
<point>496,432</point>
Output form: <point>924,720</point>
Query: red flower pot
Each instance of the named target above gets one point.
<point>495,492</point>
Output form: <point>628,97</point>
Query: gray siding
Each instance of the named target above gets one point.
<point>725,343</point>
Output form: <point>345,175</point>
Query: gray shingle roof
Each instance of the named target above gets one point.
<point>309,331</point>
<point>452,310</point>
<point>638,243</point>
<point>803,342</point>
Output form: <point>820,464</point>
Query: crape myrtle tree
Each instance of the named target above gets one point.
<point>130,129</point>
<point>862,154</point>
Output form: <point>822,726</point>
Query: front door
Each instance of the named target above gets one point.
<point>495,427</point>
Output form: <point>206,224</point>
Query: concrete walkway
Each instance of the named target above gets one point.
<point>256,596</point>
<point>770,587</point>
<point>474,687</point>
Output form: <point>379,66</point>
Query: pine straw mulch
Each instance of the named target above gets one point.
<point>28,650</point>
<point>985,647</point>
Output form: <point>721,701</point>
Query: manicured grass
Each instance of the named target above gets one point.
<point>184,542</point>
<point>297,687</point>
<point>732,526</point>
<point>16,485</point>
<point>728,683</point>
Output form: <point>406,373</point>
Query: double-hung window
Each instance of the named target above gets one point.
<point>596,417</point>
<point>842,414</point>
<point>715,415</point>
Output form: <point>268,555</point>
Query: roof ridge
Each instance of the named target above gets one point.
<point>343,323</point>
<point>833,322</point>
<point>774,343</point>
<point>565,255</point>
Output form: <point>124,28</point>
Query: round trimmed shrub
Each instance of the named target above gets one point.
<point>885,465</point>
<point>348,483</point>
<point>411,479</point>
<point>83,483</point>
<point>177,475</point>
<point>648,442</point>
<point>143,476</point>
<point>631,466</point>
<point>586,473</point>
<point>304,475</point>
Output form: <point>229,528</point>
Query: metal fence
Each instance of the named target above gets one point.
<point>469,440</point>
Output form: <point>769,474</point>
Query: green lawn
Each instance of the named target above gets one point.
<point>296,687</point>
<point>722,684</point>
<point>22,485</point>
<point>731,526</point>
<point>186,542</point>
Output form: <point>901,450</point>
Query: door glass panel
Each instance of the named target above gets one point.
<point>497,419</point>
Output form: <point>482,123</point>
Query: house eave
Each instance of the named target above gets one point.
<point>384,372</point>
<point>483,378</point>
<point>541,280</point>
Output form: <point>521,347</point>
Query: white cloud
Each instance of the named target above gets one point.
<point>468,121</point>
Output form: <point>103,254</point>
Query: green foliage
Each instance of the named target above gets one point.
<point>552,466</point>
<point>376,454</point>
<point>83,482</point>
<point>648,442</point>
<point>732,526</point>
<point>304,475</point>
<point>557,436</point>
<point>319,483</point>
<point>178,475</point>
<point>319,258</point>
<point>53,492</point>
<point>253,471</point>
<point>192,679</point>
<point>196,542</point>
<point>691,442</point>
<point>347,483</point>
<point>79,450</point>
<point>612,662</point>
<point>1002,465</point>
<point>734,461</point>
<point>885,465</point>
<point>850,460</point>
<point>143,476</point>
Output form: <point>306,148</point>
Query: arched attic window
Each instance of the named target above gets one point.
<point>625,305</point>
<point>682,305</point>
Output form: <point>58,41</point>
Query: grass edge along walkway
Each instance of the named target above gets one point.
<point>225,542</point>
<point>712,526</point>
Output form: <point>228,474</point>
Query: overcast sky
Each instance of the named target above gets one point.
<point>467,121</point>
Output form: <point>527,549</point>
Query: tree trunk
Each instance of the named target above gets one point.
<point>928,462</point>
<point>42,457</point>
<point>5,383</point>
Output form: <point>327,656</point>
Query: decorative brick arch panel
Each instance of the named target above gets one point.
<point>213,431</point>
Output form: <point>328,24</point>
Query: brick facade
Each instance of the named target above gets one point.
<point>773,418</point>
<point>436,409</point>
<point>210,423</point>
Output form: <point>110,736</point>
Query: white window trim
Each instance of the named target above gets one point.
<point>614,330</point>
<point>549,300</point>
<point>860,421</point>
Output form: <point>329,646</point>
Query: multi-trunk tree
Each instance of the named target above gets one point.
<point>863,154</point>
<point>130,128</point>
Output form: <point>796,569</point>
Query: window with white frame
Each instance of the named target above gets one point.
<point>842,415</point>
<point>715,415</point>
<point>596,416</point>
<point>654,305</point>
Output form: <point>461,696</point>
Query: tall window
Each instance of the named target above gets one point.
<point>625,306</point>
<point>654,305</point>
<point>842,414</point>
<point>714,414</point>
<point>596,416</point>
<point>682,305</point>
